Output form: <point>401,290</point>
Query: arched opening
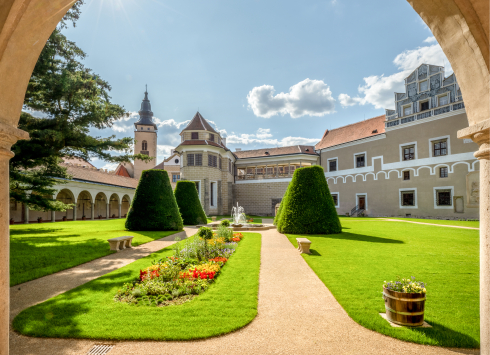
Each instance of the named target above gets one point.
<point>144,145</point>
<point>100,208</point>
<point>125,204</point>
<point>67,197</point>
<point>84,206</point>
<point>114,206</point>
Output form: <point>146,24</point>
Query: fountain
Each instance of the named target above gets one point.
<point>238,214</point>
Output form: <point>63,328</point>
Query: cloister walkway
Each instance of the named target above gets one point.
<point>297,314</point>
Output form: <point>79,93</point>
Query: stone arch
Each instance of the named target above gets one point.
<point>125,204</point>
<point>114,205</point>
<point>84,205</point>
<point>100,205</point>
<point>66,196</point>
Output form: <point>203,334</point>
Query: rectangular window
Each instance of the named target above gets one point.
<point>443,100</point>
<point>332,165</point>
<point>407,110</point>
<point>210,160</point>
<point>212,194</point>
<point>194,135</point>
<point>220,166</point>
<point>175,177</point>
<point>408,198</point>
<point>440,148</point>
<point>229,166</point>
<point>423,85</point>
<point>424,105</point>
<point>211,137</point>
<point>198,159</point>
<point>215,161</point>
<point>443,172</point>
<point>444,198</point>
<point>359,161</point>
<point>335,199</point>
<point>406,175</point>
<point>190,159</point>
<point>409,153</point>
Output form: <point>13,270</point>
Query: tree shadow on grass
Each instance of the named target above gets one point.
<point>360,238</point>
<point>34,231</point>
<point>451,337</point>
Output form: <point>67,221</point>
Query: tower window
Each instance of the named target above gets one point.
<point>190,159</point>
<point>144,145</point>
<point>194,135</point>
<point>443,172</point>
<point>406,175</point>
<point>198,159</point>
<point>211,137</point>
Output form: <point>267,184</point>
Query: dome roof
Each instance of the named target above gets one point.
<point>145,113</point>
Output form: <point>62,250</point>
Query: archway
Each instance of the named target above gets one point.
<point>100,208</point>
<point>460,26</point>
<point>114,206</point>
<point>125,204</point>
<point>65,196</point>
<point>84,206</point>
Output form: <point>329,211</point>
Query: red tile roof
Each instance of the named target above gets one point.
<point>159,166</point>
<point>122,171</point>
<point>198,123</point>
<point>75,161</point>
<point>294,149</point>
<point>352,132</point>
<point>97,176</point>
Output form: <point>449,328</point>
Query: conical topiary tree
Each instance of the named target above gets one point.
<point>154,207</point>
<point>189,205</point>
<point>307,206</point>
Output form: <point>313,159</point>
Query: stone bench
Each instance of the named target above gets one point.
<point>303,245</point>
<point>120,243</point>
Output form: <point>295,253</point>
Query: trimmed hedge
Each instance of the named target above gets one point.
<point>189,204</point>
<point>307,206</point>
<point>154,207</point>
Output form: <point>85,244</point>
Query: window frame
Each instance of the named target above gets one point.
<point>415,197</point>
<point>423,102</point>
<point>338,198</point>
<point>174,178</point>
<point>355,160</point>
<point>211,137</point>
<point>423,81</point>
<point>213,194</point>
<point>437,189</point>
<point>144,145</point>
<point>407,106</point>
<point>196,155</point>
<point>336,164</point>
<point>447,172</point>
<point>431,146</point>
<point>403,173</point>
<point>196,134</point>
<point>439,97</point>
<point>405,145</point>
<point>193,159</point>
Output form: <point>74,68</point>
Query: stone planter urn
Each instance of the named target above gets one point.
<point>405,309</point>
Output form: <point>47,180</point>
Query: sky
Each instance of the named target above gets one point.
<point>265,73</point>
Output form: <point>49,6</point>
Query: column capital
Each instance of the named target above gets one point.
<point>8,136</point>
<point>480,134</point>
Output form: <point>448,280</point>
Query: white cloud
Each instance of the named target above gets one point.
<point>345,100</point>
<point>110,166</point>
<point>306,98</point>
<point>430,39</point>
<point>263,137</point>
<point>378,90</point>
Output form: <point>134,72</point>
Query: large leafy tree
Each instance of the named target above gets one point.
<point>69,100</point>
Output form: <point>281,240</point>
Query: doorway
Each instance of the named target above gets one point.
<point>361,202</point>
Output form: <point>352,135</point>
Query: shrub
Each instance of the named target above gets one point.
<point>224,232</point>
<point>154,207</point>
<point>189,204</point>
<point>225,222</point>
<point>205,233</point>
<point>307,206</point>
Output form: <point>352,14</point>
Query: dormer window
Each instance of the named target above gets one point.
<point>424,85</point>
<point>307,150</point>
<point>443,100</point>
<point>211,137</point>
<point>374,131</point>
<point>194,135</point>
<point>424,105</point>
<point>407,110</point>
<point>266,153</point>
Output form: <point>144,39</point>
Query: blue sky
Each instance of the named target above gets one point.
<point>268,73</point>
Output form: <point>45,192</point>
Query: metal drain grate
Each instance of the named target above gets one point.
<point>100,349</point>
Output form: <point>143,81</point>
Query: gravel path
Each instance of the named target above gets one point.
<point>429,224</point>
<point>297,315</point>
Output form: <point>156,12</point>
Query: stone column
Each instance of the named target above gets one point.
<point>119,211</point>
<point>480,134</point>
<point>289,169</point>
<point>92,212</point>
<point>26,213</point>
<point>107,210</point>
<point>277,170</point>
<point>53,216</point>
<point>75,208</point>
<point>8,136</point>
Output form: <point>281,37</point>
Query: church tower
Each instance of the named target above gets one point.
<point>145,136</point>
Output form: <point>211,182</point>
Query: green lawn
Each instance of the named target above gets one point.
<point>473,224</point>
<point>89,311</point>
<point>42,249</point>
<point>355,263</point>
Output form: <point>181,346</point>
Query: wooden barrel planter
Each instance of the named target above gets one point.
<point>404,308</point>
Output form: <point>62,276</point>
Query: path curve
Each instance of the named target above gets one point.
<point>297,314</point>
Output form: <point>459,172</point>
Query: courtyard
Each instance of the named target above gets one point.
<point>340,282</point>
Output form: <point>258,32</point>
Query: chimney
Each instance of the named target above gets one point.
<point>223,141</point>
<point>238,149</point>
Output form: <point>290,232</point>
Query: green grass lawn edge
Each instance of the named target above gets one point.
<point>89,311</point>
<point>450,267</point>
<point>472,224</point>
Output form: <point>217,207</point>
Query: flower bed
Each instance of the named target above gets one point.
<point>176,279</point>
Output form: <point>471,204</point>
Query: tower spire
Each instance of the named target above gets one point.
<point>145,112</point>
